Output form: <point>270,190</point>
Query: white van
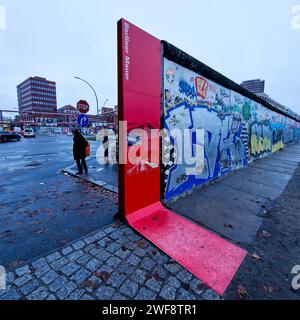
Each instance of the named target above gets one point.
<point>29,133</point>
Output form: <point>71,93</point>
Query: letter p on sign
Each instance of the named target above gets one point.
<point>2,18</point>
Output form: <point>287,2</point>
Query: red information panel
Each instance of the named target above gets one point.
<point>209,257</point>
<point>139,105</point>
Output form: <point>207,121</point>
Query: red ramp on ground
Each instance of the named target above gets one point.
<point>209,257</point>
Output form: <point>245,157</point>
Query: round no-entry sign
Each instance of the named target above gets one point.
<point>83,106</point>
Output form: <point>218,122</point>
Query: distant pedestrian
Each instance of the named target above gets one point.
<point>106,147</point>
<point>79,152</point>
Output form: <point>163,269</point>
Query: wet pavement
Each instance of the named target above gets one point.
<point>42,209</point>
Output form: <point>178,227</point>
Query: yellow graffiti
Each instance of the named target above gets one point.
<point>260,145</point>
<point>277,146</point>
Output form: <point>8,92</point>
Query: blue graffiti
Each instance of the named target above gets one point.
<point>187,90</point>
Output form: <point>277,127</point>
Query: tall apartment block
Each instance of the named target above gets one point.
<point>37,95</point>
<point>255,86</point>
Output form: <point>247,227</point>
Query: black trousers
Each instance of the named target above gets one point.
<point>81,164</point>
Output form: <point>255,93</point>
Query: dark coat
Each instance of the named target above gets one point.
<point>79,146</point>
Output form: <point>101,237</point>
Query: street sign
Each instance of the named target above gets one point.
<point>83,106</point>
<point>83,120</point>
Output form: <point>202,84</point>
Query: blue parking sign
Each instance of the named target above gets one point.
<point>83,120</point>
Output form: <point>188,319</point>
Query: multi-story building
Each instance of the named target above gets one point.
<point>255,86</point>
<point>37,100</point>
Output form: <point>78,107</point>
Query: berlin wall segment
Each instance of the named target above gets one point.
<point>237,129</point>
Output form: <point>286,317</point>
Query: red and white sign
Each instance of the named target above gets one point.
<point>83,106</point>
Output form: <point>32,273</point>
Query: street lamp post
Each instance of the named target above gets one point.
<point>93,91</point>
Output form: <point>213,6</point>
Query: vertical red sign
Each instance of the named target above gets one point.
<point>139,69</point>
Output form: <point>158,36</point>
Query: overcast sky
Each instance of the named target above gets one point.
<point>59,39</point>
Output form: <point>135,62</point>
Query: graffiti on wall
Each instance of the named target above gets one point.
<point>237,130</point>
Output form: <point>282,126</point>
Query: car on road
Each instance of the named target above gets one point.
<point>6,136</point>
<point>29,133</point>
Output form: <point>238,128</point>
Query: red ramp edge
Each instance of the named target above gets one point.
<point>210,258</point>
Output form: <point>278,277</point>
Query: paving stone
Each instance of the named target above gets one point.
<point>140,252</point>
<point>75,255</point>
<point>134,237</point>
<point>49,277</point>
<point>168,292</point>
<point>197,286</point>
<point>184,276</point>
<point>173,267</point>
<point>39,263</point>
<point>70,268</point>
<point>21,271</point>
<point>162,272</point>
<point>160,258</point>
<point>89,248</point>
<point>76,295</point>
<point>116,234</point>
<point>105,268</point>
<point>40,271</point>
<point>126,268</point>
<point>58,283</point>
<point>122,240</point>
<point>54,256</point>
<point>51,297</point>
<point>105,293</point>
<point>29,287</point>
<point>185,295</point>
<point>90,240</point>
<point>80,276</point>
<point>85,259</point>
<point>134,260</point>
<point>78,245</point>
<point>128,231</point>
<point>118,297</point>
<point>210,295</point>
<point>59,263</point>
<point>67,250</point>
<point>19,282</point>
<point>66,290</point>
<point>113,262</point>
<point>148,264</point>
<point>104,243</point>
<point>139,276</point>
<point>99,235</point>
<point>10,277</point>
<point>95,251</point>
<point>116,279</point>
<point>129,288</point>
<point>40,294</point>
<point>12,294</point>
<point>146,294</point>
<point>92,284</point>
<point>93,264</point>
<point>114,247</point>
<point>173,282</point>
<point>122,253</point>
<point>154,285</point>
<point>109,230</point>
<point>103,255</point>
<point>131,246</point>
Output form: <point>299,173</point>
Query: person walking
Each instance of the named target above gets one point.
<point>79,152</point>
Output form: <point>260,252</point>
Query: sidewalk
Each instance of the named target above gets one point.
<point>105,176</point>
<point>112,264</point>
